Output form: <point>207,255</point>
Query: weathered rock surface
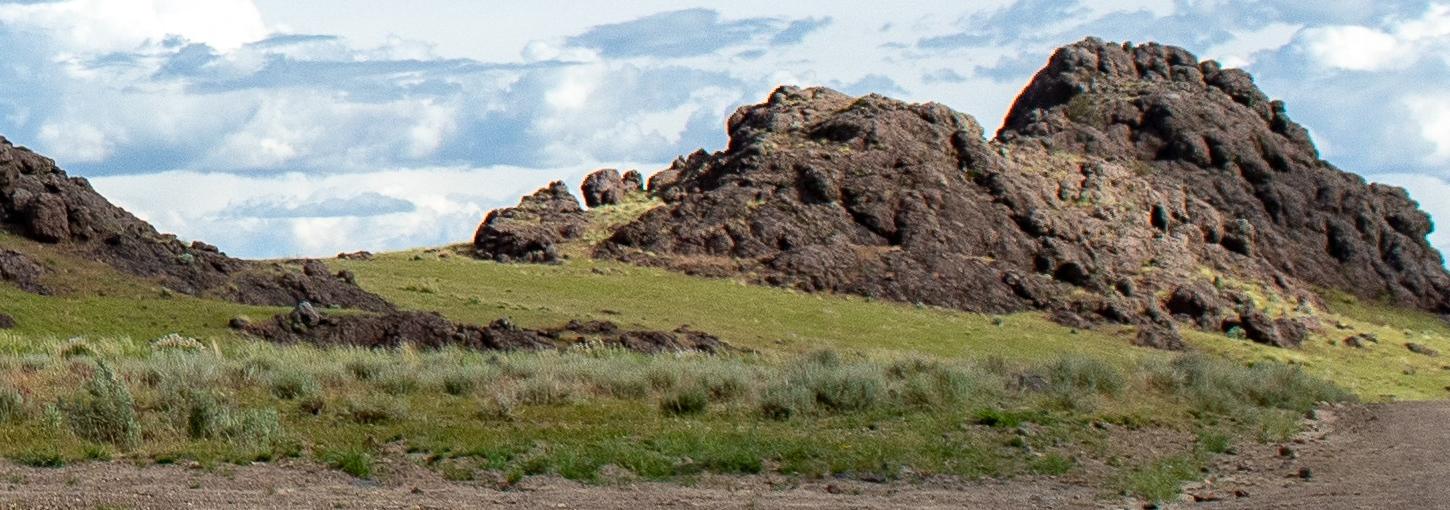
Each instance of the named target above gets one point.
<point>1130,184</point>
<point>6,321</point>
<point>21,271</point>
<point>607,187</point>
<point>304,324</point>
<point>532,231</point>
<point>40,202</point>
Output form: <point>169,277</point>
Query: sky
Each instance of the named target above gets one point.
<point>276,128</point>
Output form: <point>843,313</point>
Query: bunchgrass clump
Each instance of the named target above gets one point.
<point>354,462</point>
<point>12,404</point>
<point>685,401</point>
<point>293,385</point>
<point>374,409</point>
<point>105,411</point>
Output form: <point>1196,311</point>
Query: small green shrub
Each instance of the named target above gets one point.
<point>77,348</point>
<point>43,458</point>
<point>783,400</point>
<point>12,404</point>
<point>105,412</point>
<point>686,401</point>
<point>209,418</point>
<point>354,462</point>
<point>1160,480</point>
<point>1076,373</point>
<point>1214,442</point>
<point>845,388</point>
<point>1051,464</point>
<point>373,410</point>
<point>545,391</point>
<point>364,369</point>
<point>293,385</point>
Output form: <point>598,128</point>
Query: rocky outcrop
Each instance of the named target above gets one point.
<point>305,324</point>
<point>1130,184</point>
<point>532,231</point>
<point>40,202</point>
<point>607,187</point>
<point>1229,163</point>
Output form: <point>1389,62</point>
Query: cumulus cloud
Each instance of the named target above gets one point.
<point>1400,43</point>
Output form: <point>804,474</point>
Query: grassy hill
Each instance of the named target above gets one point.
<point>832,385</point>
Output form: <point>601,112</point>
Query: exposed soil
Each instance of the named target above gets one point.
<point>1378,456</point>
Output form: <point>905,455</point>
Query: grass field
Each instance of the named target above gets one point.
<point>833,385</point>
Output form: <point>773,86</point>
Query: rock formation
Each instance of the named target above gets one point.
<point>1130,184</point>
<point>532,231</point>
<point>40,202</point>
<point>607,187</point>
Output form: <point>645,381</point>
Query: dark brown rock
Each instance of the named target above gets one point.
<point>39,201</point>
<point>6,321</point>
<point>1159,336</point>
<point>20,270</point>
<point>633,181</point>
<point>532,231</point>
<point>1421,349</point>
<point>304,324</point>
<point>604,187</point>
<point>357,255</point>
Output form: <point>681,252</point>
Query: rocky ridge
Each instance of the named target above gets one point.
<point>1130,184</point>
<point>40,202</point>
<point>305,324</point>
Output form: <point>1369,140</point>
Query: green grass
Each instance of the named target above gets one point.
<point>766,319</point>
<point>572,413</point>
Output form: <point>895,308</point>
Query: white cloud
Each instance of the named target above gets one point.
<point>120,25</point>
<point>1354,48</point>
<point>1432,112</point>
<point>1400,43</point>
<point>76,141</point>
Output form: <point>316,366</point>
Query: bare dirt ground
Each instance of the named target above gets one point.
<point>1379,456</point>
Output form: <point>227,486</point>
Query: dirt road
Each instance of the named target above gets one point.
<point>1382,456</point>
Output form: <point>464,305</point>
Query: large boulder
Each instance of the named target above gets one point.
<point>22,271</point>
<point>605,187</point>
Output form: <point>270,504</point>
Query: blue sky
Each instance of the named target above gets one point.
<point>280,128</point>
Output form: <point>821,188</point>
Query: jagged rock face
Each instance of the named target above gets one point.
<point>38,201</point>
<point>532,231</point>
<point>1233,166</point>
<point>1130,185</point>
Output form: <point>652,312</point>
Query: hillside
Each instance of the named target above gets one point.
<point>1127,186</point>
<point>856,292</point>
